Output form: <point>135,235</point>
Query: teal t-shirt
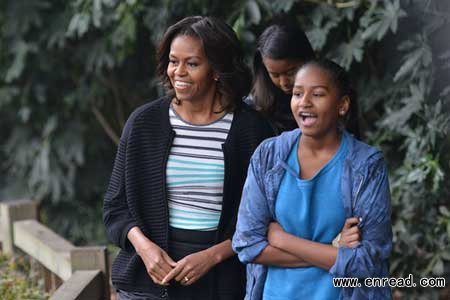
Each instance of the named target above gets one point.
<point>312,209</point>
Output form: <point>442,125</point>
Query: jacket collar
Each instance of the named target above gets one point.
<point>358,153</point>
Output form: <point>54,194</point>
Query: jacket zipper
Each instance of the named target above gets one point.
<point>357,193</point>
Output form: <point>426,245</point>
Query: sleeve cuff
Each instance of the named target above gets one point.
<point>338,269</point>
<point>248,254</point>
<point>125,244</point>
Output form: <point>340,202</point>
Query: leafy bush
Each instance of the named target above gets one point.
<point>14,284</point>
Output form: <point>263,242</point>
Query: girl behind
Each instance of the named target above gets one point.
<point>281,49</point>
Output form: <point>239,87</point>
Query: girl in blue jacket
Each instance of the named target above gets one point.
<point>306,185</point>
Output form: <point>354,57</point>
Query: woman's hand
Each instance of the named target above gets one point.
<point>190,268</point>
<point>350,234</point>
<point>157,262</point>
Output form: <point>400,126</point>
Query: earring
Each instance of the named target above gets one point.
<point>342,112</point>
<point>216,79</point>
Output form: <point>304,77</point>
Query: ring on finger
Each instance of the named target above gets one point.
<point>186,279</point>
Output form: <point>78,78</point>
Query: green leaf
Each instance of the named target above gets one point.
<point>397,119</point>
<point>417,175</point>
<point>253,11</point>
<point>324,20</point>
<point>317,37</point>
<point>239,24</point>
<point>383,19</point>
<point>411,61</point>
<point>444,211</point>
<point>346,53</point>
<point>445,255</point>
<point>247,36</point>
<point>24,114</point>
<point>97,13</point>
<point>394,12</point>
<point>99,58</point>
<point>438,268</point>
<point>126,32</point>
<point>50,126</point>
<point>370,31</point>
<point>20,50</point>
<point>349,13</point>
<point>445,92</point>
<point>79,25</point>
<point>282,5</point>
<point>445,58</point>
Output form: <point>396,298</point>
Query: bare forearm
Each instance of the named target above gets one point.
<point>276,257</point>
<point>138,239</point>
<point>314,253</point>
<point>221,251</point>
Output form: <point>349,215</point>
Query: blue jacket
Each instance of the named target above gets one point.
<point>365,191</point>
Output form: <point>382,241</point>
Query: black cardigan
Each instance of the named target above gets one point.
<point>136,195</point>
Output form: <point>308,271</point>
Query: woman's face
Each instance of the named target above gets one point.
<point>316,103</point>
<point>189,71</point>
<point>282,72</point>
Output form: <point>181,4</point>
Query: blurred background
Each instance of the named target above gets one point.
<point>72,71</point>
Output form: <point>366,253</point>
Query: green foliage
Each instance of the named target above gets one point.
<point>71,72</point>
<point>380,18</point>
<point>14,283</point>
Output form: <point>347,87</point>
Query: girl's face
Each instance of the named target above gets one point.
<point>316,102</point>
<point>282,72</point>
<point>189,71</point>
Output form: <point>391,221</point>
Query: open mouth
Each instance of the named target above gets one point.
<point>308,119</point>
<point>182,84</point>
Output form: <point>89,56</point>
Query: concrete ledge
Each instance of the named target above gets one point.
<point>44,245</point>
<point>83,285</point>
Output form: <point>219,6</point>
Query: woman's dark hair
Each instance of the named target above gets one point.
<point>223,51</point>
<point>342,82</point>
<point>278,41</point>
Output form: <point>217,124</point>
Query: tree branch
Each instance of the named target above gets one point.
<point>105,125</point>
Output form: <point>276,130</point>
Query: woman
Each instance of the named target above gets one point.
<point>173,197</point>
<point>281,49</point>
<point>313,181</point>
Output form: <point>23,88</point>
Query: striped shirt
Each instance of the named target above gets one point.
<point>195,173</point>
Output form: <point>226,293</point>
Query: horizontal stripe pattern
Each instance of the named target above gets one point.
<point>195,173</point>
